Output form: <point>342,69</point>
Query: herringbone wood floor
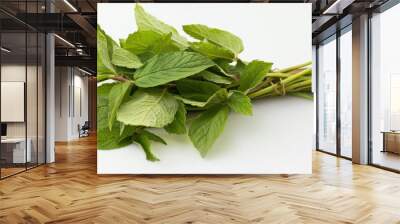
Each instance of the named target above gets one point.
<point>70,191</point>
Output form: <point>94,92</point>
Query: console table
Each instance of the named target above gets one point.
<point>13,150</point>
<point>391,141</point>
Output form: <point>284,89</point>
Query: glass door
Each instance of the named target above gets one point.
<point>22,92</point>
<point>14,153</point>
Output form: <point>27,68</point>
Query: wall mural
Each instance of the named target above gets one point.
<point>158,87</point>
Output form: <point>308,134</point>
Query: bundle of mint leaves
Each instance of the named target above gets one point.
<point>159,79</point>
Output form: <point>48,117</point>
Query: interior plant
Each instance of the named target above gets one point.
<point>161,80</point>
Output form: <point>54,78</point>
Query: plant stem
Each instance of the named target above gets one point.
<point>303,95</point>
<point>299,85</point>
<point>278,75</point>
<point>121,79</point>
<point>283,82</point>
<point>291,68</point>
<point>296,76</point>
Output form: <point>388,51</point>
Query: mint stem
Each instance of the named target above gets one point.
<point>291,68</point>
<point>282,83</point>
<point>121,79</point>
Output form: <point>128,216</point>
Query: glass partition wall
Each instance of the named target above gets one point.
<point>385,89</point>
<point>22,77</point>
<point>345,92</point>
<point>327,95</point>
<point>334,115</point>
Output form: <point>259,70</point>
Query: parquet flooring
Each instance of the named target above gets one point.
<point>70,191</point>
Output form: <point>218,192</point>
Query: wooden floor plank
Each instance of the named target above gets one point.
<point>70,191</point>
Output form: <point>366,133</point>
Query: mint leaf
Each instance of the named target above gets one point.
<point>164,45</point>
<point>212,77</point>
<point>117,93</point>
<point>178,126</point>
<point>240,103</point>
<point>102,95</point>
<point>128,72</point>
<point>146,21</point>
<point>253,74</point>
<point>148,43</point>
<point>153,137</point>
<point>125,58</point>
<point>122,42</point>
<point>196,89</point>
<point>220,37</point>
<point>143,140</point>
<point>207,127</point>
<point>212,51</point>
<point>218,97</point>
<point>140,42</point>
<point>107,139</point>
<point>168,67</point>
<point>149,108</point>
<point>105,47</point>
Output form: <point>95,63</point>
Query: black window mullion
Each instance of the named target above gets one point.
<point>317,96</point>
<point>338,91</point>
<point>37,90</point>
<point>0,94</point>
<point>26,87</point>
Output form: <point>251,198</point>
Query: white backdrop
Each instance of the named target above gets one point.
<point>280,33</point>
<point>276,139</point>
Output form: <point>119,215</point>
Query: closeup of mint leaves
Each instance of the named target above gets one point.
<point>157,79</point>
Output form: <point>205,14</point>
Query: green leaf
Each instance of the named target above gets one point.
<point>253,74</point>
<point>196,89</point>
<point>164,45</point>
<point>240,103</point>
<point>117,94</point>
<point>125,131</point>
<point>122,42</point>
<point>212,51</point>
<point>212,77</point>
<point>144,141</point>
<point>107,139</point>
<point>140,42</point>
<point>236,69</point>
<point>168,67</point>
<point>146,21</point>
<point>178,126</point>
<point>207,127</point>
<point>102,94</point>
<point>148,43</point>
<point>218,97</point>
<point>125,58</point>
<point>104,52</point>
<point>217,69</point>
<point>128,72</point>
<point>220,37</point>
<point>153,137</point>
<point>149,108</point>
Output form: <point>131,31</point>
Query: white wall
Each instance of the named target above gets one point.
<point>70,83</point>
<point>61,103</point>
